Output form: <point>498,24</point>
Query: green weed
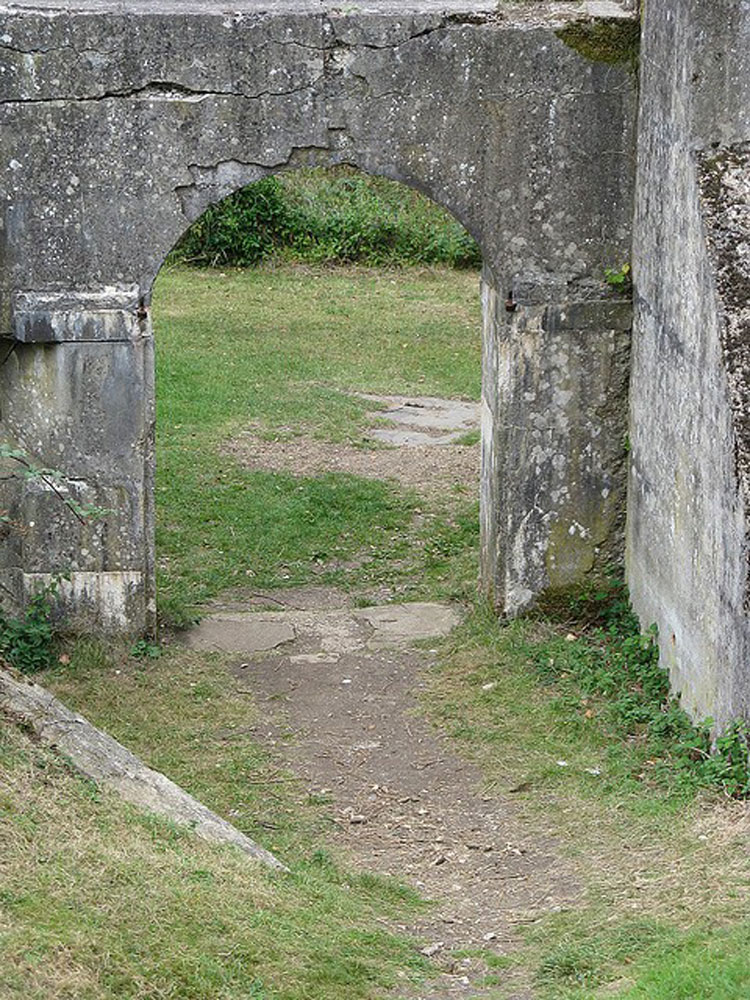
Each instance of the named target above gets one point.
<point>145,650</point>
<point>728,766</point>
<point>27,639</point>
<point>614,672</point>
<point>619,278</point>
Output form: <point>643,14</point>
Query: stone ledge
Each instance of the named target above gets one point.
<point>521,10</point>
<point>110,314</point>
<point>598,316</point>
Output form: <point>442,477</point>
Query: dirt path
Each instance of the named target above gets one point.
<point>346,683</point>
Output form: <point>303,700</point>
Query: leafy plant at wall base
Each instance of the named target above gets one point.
<point>729,765</point>
<point>611,660</point>
<point>145,650</point>
<point>26,641</point>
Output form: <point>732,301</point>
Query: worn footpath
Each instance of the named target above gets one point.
<point>338,689</point>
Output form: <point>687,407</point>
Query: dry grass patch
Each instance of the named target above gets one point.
<point>661,860</point>
<point>99,900</point>
<point>441,472</point>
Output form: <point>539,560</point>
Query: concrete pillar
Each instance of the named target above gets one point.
<point>688,538</point>
<point>554,422</point>
<point>77,392</point>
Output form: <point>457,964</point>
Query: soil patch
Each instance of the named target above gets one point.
<point>423,452</point>
<point>429,469</point>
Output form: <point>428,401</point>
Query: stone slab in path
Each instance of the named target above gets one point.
<point>240,632</point>
<point>394,624</point>
<point>423,420</point>
<point>314,636</point>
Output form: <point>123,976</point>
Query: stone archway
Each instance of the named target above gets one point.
<point>122,121</point>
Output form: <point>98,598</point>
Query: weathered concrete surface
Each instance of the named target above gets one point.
<point>101,758</point>
<point>688,502</point>
<point>325,633</point>
<point>554,433</point>
<point>394,624</point>
<point>120,122</point>
<point>87,409</point>
<point>422,420</point>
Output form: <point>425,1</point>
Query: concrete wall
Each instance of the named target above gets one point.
<point>555,427</point>
<point>121,122</point>
<point>687,538</point>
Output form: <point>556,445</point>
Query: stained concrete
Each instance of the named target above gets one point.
<point>688,496</point>
<point>120,122</point>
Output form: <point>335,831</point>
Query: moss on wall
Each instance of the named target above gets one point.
<point>611,40</point>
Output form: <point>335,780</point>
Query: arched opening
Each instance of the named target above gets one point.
<point>318,382</point>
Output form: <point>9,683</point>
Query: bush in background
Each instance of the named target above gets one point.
<point>336,215</point>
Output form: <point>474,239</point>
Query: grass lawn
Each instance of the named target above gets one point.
<point>98,901</point>
<point>281,350</point>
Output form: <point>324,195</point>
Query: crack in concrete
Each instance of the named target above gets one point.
<point>160,90</point>
<point>212,168</point>
<point>330,43</point>
<point>211,171</point>
<point>451,21</point>
<point>8,46</point>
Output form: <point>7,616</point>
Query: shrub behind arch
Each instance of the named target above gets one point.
<point>335,215</point>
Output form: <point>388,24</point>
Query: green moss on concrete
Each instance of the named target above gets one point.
<point>573,558</point>
<point>610,41</point>
<point>569,557</point>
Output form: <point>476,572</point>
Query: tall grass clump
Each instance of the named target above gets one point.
<point>336,215</point>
